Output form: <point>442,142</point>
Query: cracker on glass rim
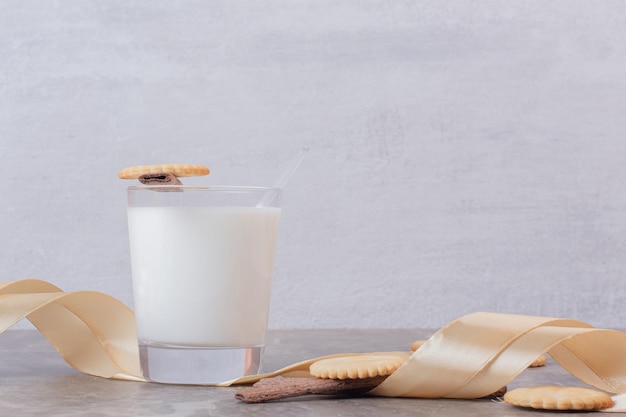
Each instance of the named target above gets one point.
<point>178,170</point>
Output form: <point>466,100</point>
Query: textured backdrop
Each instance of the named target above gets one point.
<point>465,155</point>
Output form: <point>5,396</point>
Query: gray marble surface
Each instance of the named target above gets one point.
<point>35,381</point>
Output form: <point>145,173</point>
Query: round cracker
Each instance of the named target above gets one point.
<point>178,170</point>
<point>540,361</point>
<point>359,366</point>
<point>558,398</point>
<point>417,344</point>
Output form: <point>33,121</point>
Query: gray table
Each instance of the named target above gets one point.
<point>35,381</point>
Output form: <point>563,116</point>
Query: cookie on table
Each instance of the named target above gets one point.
<point>540,361</point>
<point>417,344</point>
<point>358,366</point>
<point>559,398</point>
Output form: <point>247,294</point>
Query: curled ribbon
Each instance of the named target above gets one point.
<point>93,332</point>
<point>470,357</point>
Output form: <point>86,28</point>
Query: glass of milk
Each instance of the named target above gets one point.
<point>202,260</point>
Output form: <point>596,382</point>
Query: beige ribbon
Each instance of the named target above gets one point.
<point>93,332</point>
<point>471,357</point>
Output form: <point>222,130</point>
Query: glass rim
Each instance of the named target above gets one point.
<point>233,188</point>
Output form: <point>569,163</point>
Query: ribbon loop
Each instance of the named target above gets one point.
<point>93,332</point>
<point>478,353</point>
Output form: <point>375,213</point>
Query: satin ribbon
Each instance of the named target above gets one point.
<point>93,332</point>
<point>470,357</point>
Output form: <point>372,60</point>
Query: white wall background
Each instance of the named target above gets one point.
<point>466,155</point>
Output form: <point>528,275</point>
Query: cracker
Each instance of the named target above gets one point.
<point>179,170</point>
<point>358,366</point>
<point>417,344</point>
<point>540,361</point>
<point>558,398</point>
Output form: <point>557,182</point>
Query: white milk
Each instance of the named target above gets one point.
<point>202,275</point>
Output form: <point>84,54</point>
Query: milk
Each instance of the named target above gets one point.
<point>202,275</point>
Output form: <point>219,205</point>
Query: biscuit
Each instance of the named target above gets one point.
<point>270,389</point>
<point>540,361</point>
<point>358,366</point>
<point>179,170</point>
<point>417,344</point>
<point>558,398</point>
<point>161,179</point>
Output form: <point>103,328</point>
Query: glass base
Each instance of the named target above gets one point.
<point>175,364</point>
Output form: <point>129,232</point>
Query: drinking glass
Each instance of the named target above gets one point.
<point>202,261</point>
